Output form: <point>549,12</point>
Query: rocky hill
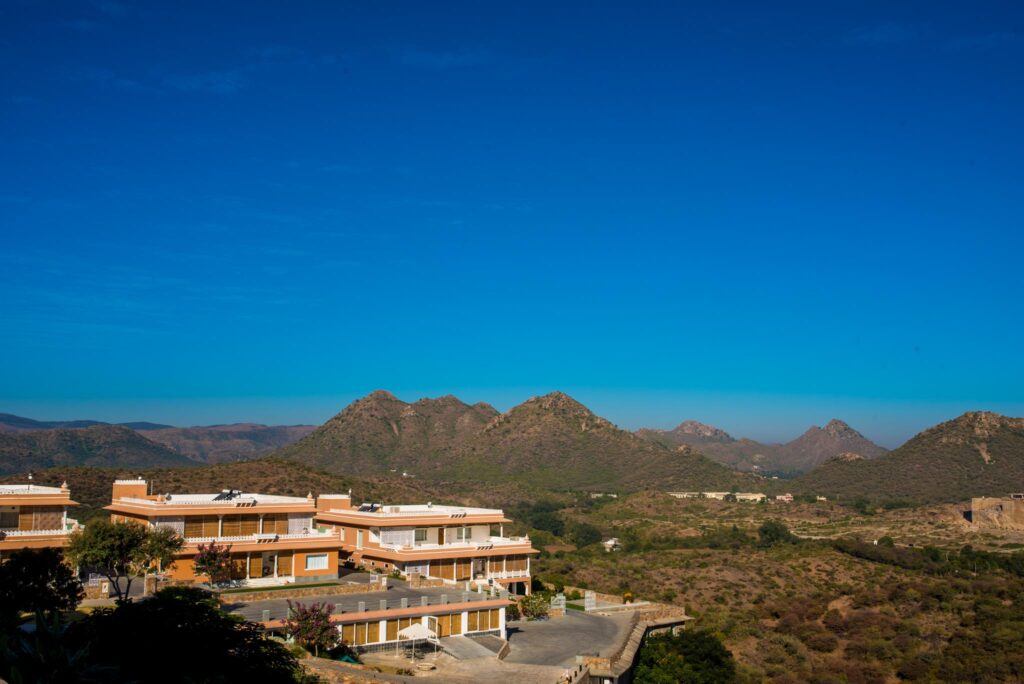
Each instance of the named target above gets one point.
<point>688,432</point>
<point>98,445</point>
<point>381,433</point>
<point>816,446</point>
<point>976,454</point>
<point>552,442</point>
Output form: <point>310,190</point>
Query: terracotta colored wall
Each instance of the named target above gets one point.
<point>299,567</point>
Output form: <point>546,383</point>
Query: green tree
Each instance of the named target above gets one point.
<point>212,560</point>
<point>774,532</point>
<point>310,625</point>
<point>584,534</point>
<point>37,580</point>
<point>122,549</point>
<point>534,606</point>
<point>694,657</point>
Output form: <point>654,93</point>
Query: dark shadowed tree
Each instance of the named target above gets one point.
<point>37,580</point>
<point>209,645</point>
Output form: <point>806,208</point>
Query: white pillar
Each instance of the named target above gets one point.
<point>248,559</point>
<point>501,623</point>
<point>261,524</point>
<point>220,525</point>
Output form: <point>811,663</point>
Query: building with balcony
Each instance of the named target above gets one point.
<point>33,517</point>
<point>272,539</point>
<point>455,544</point>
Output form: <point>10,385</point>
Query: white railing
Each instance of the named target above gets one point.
<point>264,536</point>
<point>417,511</point>
<point>508,574</point>
<point>237,502</point>
<point>481,544</point>
<point>33,533</point>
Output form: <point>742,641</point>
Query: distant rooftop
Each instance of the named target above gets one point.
<point>29,489</point>
<point>228,497</point>
<point>418,509</point>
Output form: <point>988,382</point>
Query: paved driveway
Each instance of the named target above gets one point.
<point>558,641</point>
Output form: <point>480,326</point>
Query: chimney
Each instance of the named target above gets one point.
<point>327,502</point>
<point>132,488</point>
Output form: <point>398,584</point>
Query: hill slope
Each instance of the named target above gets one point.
<point>976,454</point>
<point>552,442</point>
<point>380,433</point>
<point>205,444</point>
<point>226,443</point>
<point>99,445</point>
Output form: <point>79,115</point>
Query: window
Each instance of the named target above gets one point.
<point>421,534</point>
<point>359,539</point>
<point>316,561</point>
<point>9,517</point>
<point>464,533</point>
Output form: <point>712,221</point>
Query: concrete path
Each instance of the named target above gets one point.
<point>463,648</point>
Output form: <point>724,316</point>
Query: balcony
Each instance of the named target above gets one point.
<point>264,537</point>
<point>70,526</point>
<point>477,545</point>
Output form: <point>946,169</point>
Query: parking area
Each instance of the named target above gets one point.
<point>557,641</point>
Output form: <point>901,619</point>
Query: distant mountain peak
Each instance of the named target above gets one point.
<point>558,401</point>
<point>838,428</point>
<point>702,430</point>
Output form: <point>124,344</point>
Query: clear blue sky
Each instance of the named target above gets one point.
<point>760,216</point>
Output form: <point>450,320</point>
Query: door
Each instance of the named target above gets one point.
<point>359,539</point>
<point>440,536</point>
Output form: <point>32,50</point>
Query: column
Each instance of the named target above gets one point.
<point>220,525</point>
<point>261,524</point>
<point>247,560</point>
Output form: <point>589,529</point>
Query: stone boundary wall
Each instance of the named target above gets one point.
<point>603,598</point>
<point>299,592</point>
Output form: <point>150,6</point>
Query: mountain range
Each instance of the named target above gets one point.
<point>202,444</point>
<point>979,453</point>
<point>814,447</point>
<point>551,441</point>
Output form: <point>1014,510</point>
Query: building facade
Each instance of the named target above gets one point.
<point>451,543</point>
<point>271,538</point>
<point>34,517</point>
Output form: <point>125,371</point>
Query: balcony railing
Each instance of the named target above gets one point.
<point>70,526</point>
<point>263,537</point>
<point>480,544</point>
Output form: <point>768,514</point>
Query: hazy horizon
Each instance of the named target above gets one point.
<point>884,423</point>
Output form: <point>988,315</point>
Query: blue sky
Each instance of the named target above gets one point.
<point>760,216</point>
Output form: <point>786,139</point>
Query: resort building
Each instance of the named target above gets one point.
<point>33,517</point>
<point>455,544</point>
<point>272,539</point>
<point>368,624</point>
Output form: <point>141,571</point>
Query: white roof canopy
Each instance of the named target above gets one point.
<point>416,630</point>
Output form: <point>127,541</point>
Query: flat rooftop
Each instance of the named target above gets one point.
<point>29,489</point>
